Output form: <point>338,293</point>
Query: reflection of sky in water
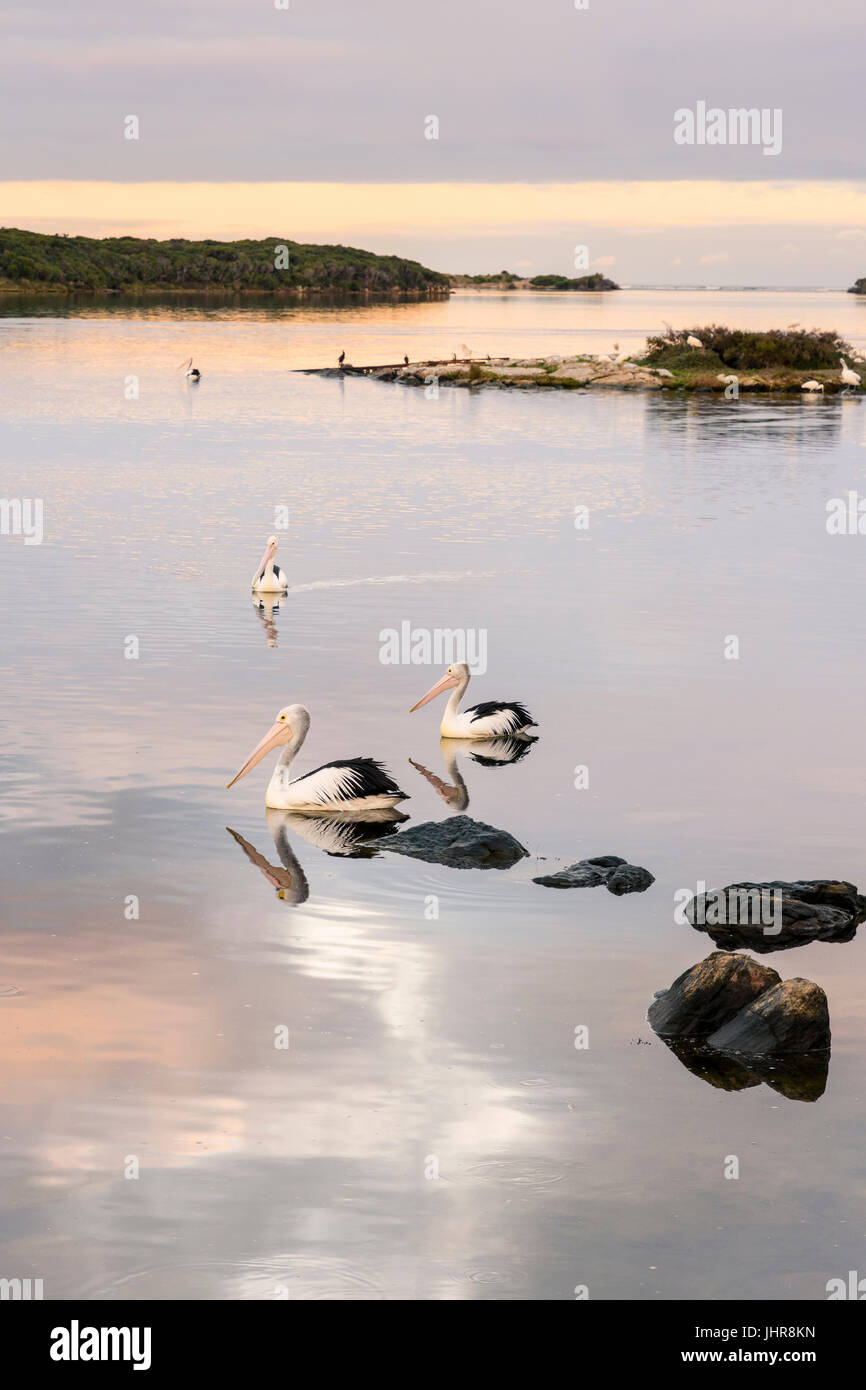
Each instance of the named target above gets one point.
<point>409,1037</point>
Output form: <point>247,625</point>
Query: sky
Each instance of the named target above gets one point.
<point>468,134</point>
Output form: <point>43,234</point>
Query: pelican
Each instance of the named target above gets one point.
<point>352,786</point>
<point>850,378</point>
<point>812,386</point>
<point>269,578</point>
<point>492,719</point>
<point>405,361</point>
<point>192,372</point>
<point>693,341</point>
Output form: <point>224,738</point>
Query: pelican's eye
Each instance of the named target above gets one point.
<point>282,718</point>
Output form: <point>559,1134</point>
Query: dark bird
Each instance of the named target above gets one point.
<point>405,361</point>
<point>341,359</point>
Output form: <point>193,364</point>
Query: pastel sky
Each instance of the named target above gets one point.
<point>555,128</point>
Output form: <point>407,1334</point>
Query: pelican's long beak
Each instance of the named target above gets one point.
<point>187,363</point>
<point>446,683</point>
<point>279,733</point>
<point>269,554</point>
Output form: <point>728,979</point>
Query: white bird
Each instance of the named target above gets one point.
<point>693,341</point>
<point>812,386</point>
<point>269,578</point>
<point>662,371</point>
<point>492,719</point>
<point>350,786</point>
<point>192,372</point>
<point>850,378</point>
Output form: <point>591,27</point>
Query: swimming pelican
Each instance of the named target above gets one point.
<point>491,719</point>
<point>352,786</point>
<point>269,578</point>
<point>693,341</point>
<point>192,372</point>
<point>812,386</point>
<point>850,378</point>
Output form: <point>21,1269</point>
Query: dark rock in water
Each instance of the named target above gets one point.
<point>609,869</point>
<point>460,842</point>
<point>776,915</point>
<point>791,1017</point>
<point>629,878</point>
<point>708,995</point>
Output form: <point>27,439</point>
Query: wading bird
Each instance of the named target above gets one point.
<point>492,719</point>
<point>849,378</point>
<point>812,386</point>
<point>350,786</point>
<point>192,372</point>
<point>269,578</point>
<point>341,359</point>
<point>405,361</point>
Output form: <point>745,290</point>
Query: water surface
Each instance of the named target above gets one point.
<point>416,1042</point>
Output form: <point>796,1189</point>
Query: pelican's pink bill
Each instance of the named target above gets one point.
<point>447,682</point>
<point>270,552</point>
<point>279,733</point>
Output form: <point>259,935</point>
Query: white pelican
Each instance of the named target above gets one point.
<point>812,386</point>
<point>269,578</point>
<point>492,719</point>
<point>191,371</point>
<point>352,786</point>
<point>693,341</point>
<point>850,378</point>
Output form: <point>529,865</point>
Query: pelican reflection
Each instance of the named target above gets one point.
<point>332,834</point>
<point>491,752</point>
<point>267,606</point>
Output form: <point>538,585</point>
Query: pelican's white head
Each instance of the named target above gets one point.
<point>458,674</point>
<point>289,728</point>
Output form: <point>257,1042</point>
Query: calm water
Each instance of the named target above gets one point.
<point>414,1042</point>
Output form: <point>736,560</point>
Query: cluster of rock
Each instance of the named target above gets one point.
<point>504,372</point>
<point>735,1004</point>
<point>616,874</point>
<point>460,842</point>
<point>774,916</point>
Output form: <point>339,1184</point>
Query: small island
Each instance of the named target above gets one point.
<point>709,358</point>
<point>507,280</point>
<point>859,286</point>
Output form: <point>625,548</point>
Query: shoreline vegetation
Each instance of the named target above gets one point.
<point>39,263</point>
<point>711,358</point>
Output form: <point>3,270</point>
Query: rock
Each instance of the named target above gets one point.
<point>777,915</point>
<point>629,878</point>
<point>460,842</point>
<point>791,1017</point>
<point>580,372</point>
<point>609,869</point>
<point>621,376</point>
<point>709,994</point>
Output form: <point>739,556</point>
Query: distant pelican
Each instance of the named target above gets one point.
<point>693,341</point>
<point>492,719</point>
<point>405,361</point>
<point>352,786</point>
<point>192,372</point>
<point>269,578</point>
<point>813,385</point>
<point>341,359</point>
<point>850,378</point>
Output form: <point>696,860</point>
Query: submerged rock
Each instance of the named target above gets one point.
<point>777,915</point>
<point>792,1017</point>
<point>708,995</point>
<point>618,876</point>
<point>460,842</point>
